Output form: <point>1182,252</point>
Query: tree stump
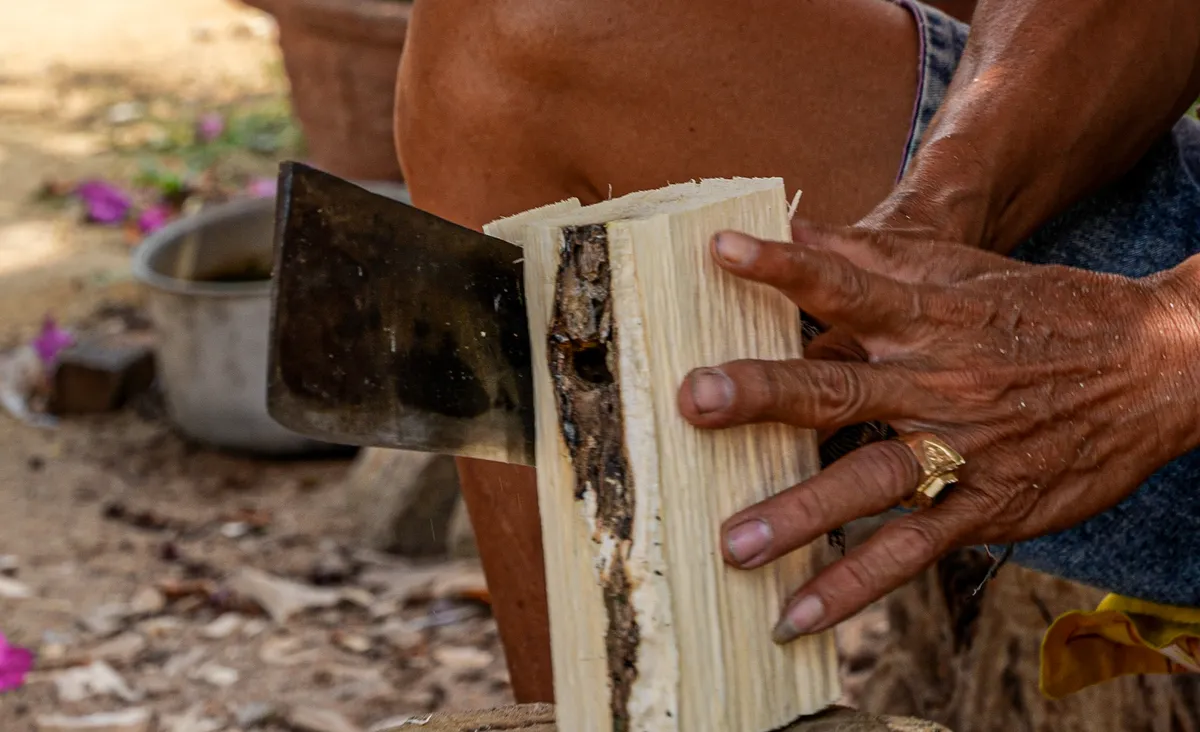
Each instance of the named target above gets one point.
<point>540,718</point>
<point>972,663</point>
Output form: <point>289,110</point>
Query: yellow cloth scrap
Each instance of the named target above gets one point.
<point>1121,637</point>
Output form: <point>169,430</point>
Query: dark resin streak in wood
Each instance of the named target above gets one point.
<point>583,365</point>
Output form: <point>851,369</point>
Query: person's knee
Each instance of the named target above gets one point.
<point>480,107</point>
<point>466,85</point>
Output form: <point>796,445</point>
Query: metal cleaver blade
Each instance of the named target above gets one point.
<point>395,328</point>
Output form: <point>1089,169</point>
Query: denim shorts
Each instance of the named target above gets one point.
<point>1148,546</point>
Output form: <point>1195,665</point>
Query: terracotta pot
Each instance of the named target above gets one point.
<point>341,58</point>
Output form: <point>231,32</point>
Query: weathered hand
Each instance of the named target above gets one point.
<point>1063,389</point>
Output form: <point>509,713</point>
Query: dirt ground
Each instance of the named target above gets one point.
<point>126,538</point>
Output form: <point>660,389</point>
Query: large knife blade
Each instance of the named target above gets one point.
<point>393,327</point>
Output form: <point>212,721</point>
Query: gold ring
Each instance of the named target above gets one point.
<point>938,462</point>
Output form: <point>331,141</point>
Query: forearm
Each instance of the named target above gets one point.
<point>1051,100</point>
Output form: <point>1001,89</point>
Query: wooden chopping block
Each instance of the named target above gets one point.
<point>540,718</point>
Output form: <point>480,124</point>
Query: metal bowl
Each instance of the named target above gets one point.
<point>209,297</point>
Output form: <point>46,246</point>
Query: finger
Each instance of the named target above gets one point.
<point>812,394</point>
<point>866,482</point>
<point>881,252</point>
<point>907,258</point>
<point>835,345</point>
<point>824,284</point>
<point>899,551</point>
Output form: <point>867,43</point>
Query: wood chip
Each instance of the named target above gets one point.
<point>463,658</point>
<point>351,641</point>
<point>192,720</point>
<point>105,620</point>
<point>147,601</point>
<point>286,652</point>
<point>217,675</point>
<point>11,589</point>
<point>121,650</point>
<point>128,720</point>
<point>97,679</point>
<point>223,627</point>
<point>315,719</point>
<point>281,598</point>
<point>9,565</point>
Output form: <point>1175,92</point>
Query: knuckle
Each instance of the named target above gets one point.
<point>979,388</point>
<point>851,294</point>
<point>916,305</point>
<point>909,545</point>
<point>812,233</point>
<point>762,388</point>
<point>771,392</point>
<point>922,536</point>
<point>804,393</point>
<point>811,505</point>
<point>841,394</point>
<point>984,502</point>
<point>886,245</point>
<point>907,308</point>
<point>861,578</point>
<point>789,263</point>
<point>879,471</point>
<point>895,463</point>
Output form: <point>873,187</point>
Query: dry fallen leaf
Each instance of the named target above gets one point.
<point>281,598</point>
<point>95,679</point>
<point>11,589</point>
<point>126,720</point>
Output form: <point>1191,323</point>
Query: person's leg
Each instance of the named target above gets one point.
<point>504,105</point>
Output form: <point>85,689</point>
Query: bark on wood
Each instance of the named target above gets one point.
<point>972,664</point>
<point>540,718</point>
<point>649,630</point>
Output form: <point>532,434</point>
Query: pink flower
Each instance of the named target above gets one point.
<point>154,218</point>
<point>262,187</point>
<point>48,344</point>
<point>209,127</point>
<point>105,202</point>
<point>15,663</point>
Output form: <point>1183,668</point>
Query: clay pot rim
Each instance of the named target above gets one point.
<point>381,21</point>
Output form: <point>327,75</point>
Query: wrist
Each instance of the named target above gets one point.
<point>977,190</point>
<point>946,195</point>
<point>1178,371</point>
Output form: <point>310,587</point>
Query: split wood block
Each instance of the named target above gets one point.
<point>650,631</point>
<point>540,718</point>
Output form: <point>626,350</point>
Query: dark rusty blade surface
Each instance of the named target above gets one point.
<point>395,328</point>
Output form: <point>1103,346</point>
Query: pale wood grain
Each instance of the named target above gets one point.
<point>705,661</point>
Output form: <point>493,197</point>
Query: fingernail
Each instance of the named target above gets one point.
<point>712,390</point>
<point>746,541</point>
<point>737,248</point>
<point>798,619</point>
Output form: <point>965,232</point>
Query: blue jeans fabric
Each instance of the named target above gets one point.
<point>1148,546</point>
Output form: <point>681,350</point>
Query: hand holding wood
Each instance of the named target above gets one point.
<point>1063,389</point>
